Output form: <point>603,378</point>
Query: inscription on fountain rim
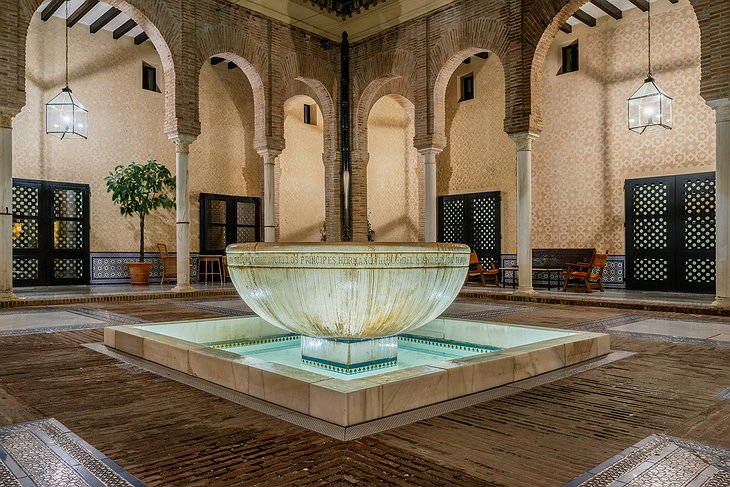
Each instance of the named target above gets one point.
<point>347,260</point>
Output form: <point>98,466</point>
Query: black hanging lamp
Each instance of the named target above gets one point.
<point>649,105</point>
<point>66,117</point>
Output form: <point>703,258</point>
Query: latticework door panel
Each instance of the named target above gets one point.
<point>670,233</point>
<point>472,219</point>
<point>650,233</point>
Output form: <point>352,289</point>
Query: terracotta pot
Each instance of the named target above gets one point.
<point>140,272</point>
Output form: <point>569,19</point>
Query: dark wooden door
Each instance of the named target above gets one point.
<point>227,219</point>
<point>473,219</point>
<point>670,233</point>
<point>50,233</point>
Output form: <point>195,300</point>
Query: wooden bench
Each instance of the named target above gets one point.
<point>548,262</point>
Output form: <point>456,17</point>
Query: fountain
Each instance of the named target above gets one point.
<point>350,333</point>
<point>348,301</point>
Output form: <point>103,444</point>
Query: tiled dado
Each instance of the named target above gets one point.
<point>614,274</point>
<point>111,267</point>
<point>355,401</point>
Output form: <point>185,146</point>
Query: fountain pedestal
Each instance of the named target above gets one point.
<point>350,356</point>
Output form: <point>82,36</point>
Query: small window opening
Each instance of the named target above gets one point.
<point>467,87</point>
<point>149,78</point>
<point>310,114</point>
<point>570,58</point>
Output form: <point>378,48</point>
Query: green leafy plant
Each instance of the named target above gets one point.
<point>139,189</point>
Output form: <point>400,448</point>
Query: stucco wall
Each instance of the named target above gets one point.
<point>393,197</point>
<point>300,173</point>
<point>125,125</point>
<point>586,152</point>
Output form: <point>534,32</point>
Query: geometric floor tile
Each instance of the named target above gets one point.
<point>26,320</point>
<point>661,461</point>
<point>44,453</point>
<point>228,307</point>
<point>677,328</point>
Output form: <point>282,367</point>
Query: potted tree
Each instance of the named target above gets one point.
<point>139,189</point>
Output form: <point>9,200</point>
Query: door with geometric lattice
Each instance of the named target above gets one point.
<point>50,233</point>
<point>474,220</point>
<point>670,233</point>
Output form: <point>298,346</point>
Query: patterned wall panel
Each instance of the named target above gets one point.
<point>614,274</point>
<point>111,267</point>
<point>585,152</point>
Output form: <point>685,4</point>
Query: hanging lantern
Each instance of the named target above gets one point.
<point>66,117</point>
<point>649,105</point>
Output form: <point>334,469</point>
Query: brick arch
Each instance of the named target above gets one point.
<point>447,53</point>
<point>163,29</point>
<point>397,87</point>
<point>251,58</point>
<point>548,21</point>
<point>303,74</point>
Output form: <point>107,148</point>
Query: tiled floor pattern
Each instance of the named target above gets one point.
<point>229,307</point>
<point>29,321</point>
<point>661,461</point>
<point>44,453</point>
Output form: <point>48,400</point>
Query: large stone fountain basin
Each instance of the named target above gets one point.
<point>348,290</point>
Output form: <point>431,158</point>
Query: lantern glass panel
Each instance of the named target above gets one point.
<point>649,106</point>
<point>65,117</point>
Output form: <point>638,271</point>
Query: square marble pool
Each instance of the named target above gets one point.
<point>443,360</point>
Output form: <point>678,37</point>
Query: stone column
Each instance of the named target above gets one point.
<point>722,200</point>
<point>429,159</point>
<point>182,219</point>
<point>524,210</point>
<point>6,206</point>
<point>268,157</point>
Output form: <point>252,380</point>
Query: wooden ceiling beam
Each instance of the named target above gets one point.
<point>140,38</point>
<point>105,18</point>
<point>483,55</point>
<point>50,9</point>
<point>124,28</point>
<point>232,65</point>
<point>216,60</point>
<point>567,28</point>
<point>586,18</point>
<point>84,9</point>
<point>609,8</point>
<point>643,5</point>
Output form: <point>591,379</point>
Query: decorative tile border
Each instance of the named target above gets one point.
<point>605,325</point>
<point>614,274</point>
<point>44,453</point>
<point>661,460</point>
<point>214,309</point>
<point>111,267</point>
<point>109,319</point>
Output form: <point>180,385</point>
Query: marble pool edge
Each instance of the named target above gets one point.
<point>354,401</point>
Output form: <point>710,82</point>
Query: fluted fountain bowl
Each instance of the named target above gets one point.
<point>348,290</point>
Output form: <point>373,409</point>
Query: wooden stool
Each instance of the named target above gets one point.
<point>211,266</point>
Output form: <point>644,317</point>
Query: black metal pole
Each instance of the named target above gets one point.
<point>345,136</point>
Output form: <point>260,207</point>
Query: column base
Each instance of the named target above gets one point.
<point>525,291</point>
<point>721,302</point>
<point>8,296</point>
<point>183,288</point>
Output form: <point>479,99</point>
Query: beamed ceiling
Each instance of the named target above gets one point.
<point>326,18</point>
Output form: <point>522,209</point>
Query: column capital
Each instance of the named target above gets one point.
<point>6,117</point>
<point>182,141</point>
<point>523,140</point>
<point>269,153</point>
<point>722,109</point>
<point>430,151</point>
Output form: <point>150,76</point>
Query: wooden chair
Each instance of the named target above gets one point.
<point>477,270</point>
<point>169,264</point>
<point>584,275</point>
